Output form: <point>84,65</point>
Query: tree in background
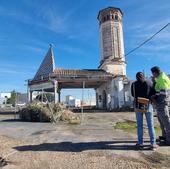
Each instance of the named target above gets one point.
<point>13,99</point>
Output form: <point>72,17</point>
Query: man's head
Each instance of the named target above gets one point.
<point>140,76</point>
<point>155,71</point>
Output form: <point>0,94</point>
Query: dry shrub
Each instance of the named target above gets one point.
<point>67,115</point>
<point>57,110</point>
<point>37,111</point>
<point>61,113</point>
<point>45,114</point>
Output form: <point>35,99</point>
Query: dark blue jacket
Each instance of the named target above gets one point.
<point>142,89</point>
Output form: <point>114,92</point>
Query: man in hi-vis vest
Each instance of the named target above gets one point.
<point>162,97</point>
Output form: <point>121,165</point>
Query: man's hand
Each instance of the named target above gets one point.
<point>153,100</point>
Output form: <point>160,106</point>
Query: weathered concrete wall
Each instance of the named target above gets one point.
<point>113,92</point>
<point>114,68</point>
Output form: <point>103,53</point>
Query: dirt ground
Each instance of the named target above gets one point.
<point>94,144</point>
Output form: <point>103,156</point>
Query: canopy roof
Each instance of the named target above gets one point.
<point>68,78</point>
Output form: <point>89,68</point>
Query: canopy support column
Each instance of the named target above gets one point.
<point>30,96</point>
<point>55,91</point>
<point>59,95</point>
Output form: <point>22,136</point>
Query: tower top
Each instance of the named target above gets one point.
<point>109,13</point>
<point>106,10</point>
<point>50,45</point>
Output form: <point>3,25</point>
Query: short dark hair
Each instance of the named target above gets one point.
<point>156,69</point>
<point>140,75</point>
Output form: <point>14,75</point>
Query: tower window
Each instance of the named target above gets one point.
<point>108,17</point>
<point>116,17</point>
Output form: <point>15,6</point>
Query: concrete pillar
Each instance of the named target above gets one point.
<point>55,91</point>
<point>30,96</point>
<point>120,92</point>
<point>97,99</point>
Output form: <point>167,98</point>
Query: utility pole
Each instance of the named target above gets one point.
<point>16,95</point>
<point>82,109</point>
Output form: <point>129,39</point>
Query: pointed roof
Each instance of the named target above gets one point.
<point>47,66</point>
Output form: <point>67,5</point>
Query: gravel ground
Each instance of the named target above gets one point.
<point>94,144</point>
<point>62,160</point>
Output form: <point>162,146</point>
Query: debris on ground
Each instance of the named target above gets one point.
<point>3,162</point>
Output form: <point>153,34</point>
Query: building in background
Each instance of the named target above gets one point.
<point>72,102</point>
<point>4,96</point>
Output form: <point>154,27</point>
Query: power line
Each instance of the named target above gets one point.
<point>147,40</point>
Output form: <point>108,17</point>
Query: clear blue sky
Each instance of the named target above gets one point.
<point>28,26</point>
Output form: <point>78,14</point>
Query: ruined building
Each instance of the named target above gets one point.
<point>109,80</point>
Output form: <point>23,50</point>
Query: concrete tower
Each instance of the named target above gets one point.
<point>112,43</point>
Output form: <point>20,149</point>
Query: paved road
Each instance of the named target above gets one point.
<point>95,127</point>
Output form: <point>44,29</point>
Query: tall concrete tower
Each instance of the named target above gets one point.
<point>112,43</point>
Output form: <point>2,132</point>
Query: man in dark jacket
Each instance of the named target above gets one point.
<point>144,88</point>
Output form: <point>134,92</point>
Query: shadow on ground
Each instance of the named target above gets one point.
<point>11,120</point>
<point>81,146</point>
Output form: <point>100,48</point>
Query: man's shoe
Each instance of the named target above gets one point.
<point>162,138</point>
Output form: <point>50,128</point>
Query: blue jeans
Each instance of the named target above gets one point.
<point>150,123</point>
